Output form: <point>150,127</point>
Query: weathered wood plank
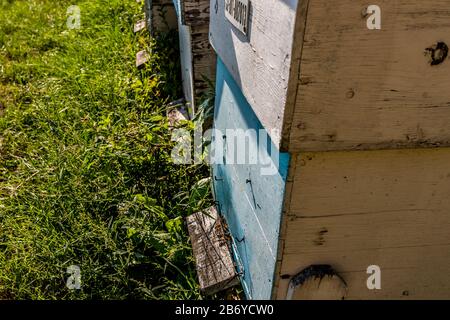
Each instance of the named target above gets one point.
<point>260,61</point>
<point>387,208</point>
<point>198,59</point>
<point>139,26</point>
<point>215,266</point>
<point>372,89</point>
<point>204,59</point>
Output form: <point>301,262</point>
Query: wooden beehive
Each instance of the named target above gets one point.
<point>198,60</point>
<point>359,119</point>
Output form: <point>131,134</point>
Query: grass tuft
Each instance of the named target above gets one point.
<point>85,171</point>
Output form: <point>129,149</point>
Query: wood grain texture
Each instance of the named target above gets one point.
<point>161,15</point>
<point>261,61</point>
<point>215,266</point>
<point>140,25</point>
<point>317,282</point>
<point>388,208</point>
<point>142,58</point>
<point>372,89</point>
<point>204,59</point>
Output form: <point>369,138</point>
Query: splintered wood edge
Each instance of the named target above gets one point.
<point>215,266</point>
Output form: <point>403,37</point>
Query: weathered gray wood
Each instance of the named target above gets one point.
<point>373,89</point>
<point>198,59</point>
<point>186,60</point>
<point>215,267</point>
<point>140,25</point>
<point>260,61</point>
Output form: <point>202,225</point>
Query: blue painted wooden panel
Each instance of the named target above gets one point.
<point>250,201</point>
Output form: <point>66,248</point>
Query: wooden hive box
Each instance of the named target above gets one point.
<point>198,60</point>
<point>160,15</point>
<point>356,103</point>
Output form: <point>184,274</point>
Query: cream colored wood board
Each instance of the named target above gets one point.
<point>372,89</point>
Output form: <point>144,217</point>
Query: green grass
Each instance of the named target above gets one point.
<point>85,171</point>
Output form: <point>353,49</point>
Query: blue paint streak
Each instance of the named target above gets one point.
<point>250,202</point>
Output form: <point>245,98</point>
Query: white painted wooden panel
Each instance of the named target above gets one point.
<point>259,61</point>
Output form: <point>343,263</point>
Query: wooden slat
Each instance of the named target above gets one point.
<point>372,89</point>
<point>198,59</point>
<point>177,112</point>
<point>215,267</point>
<point>186,59</point>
